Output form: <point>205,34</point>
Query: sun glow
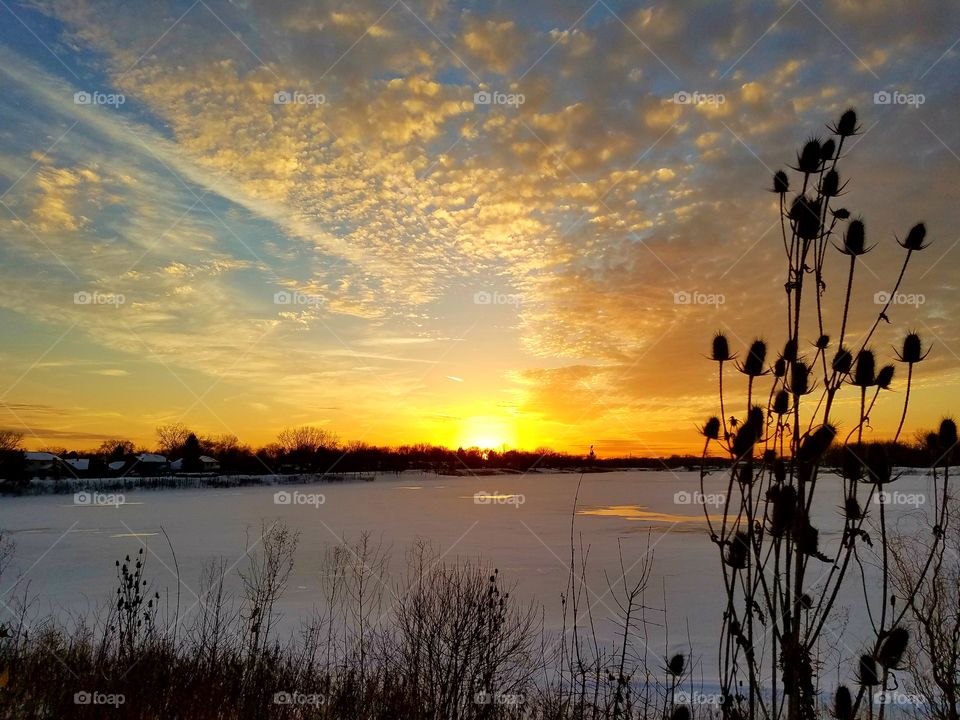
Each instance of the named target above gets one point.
<point>486,433</point>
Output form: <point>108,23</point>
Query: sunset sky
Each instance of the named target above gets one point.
<point>459,272</point>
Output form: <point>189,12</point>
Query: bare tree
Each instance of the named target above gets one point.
<point>171,438</point>
<point>934,658</point>
<point>10,440</point>
<point>306,439</point>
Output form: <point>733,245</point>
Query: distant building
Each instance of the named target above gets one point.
<point>41,464</point>
<point>149,464</point>
<point>207,464</point>
<point>80,465</point>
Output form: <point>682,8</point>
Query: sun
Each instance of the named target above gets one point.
<point>486,433</point>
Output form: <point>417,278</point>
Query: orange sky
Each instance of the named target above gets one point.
<point>458,225</point>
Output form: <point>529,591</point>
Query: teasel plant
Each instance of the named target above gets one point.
<point>781,584</point>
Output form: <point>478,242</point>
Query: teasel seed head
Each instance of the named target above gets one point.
<point>852,509</point>
<point>830,187</point>
<point>781,183</point>
<point>681,712</point>
<point>808,159</point>
<point>843,704</point>
<point>879,465</point>
<point>855,239</point>
<point>753,365</point>
<point>864,374</point>
<point>790,351</point>
<point>892,648</point>
<point>711,430</point>
<point>784,501</point>
<point>827,150</point>
<point>676,665</point>
<point>885,377</point>
<point>780,471</point>
<point>779,367</point>
<point>868,676</point>
<point>749,433</point>
<point>799,378</point>
<point>738,551</point>
<point>805,216</point>
<point>851,464</point>
<point>816,443</point>
<point>823,342</point>
<point>781,403</point>
<point>842,361</point>
<point>947,436</point>
<point>720,352</point>
<point>847,125</point>
<point>915,238</point>
<point>912,351</point>
<point>841,214</point>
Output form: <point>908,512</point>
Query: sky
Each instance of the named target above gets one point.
<point>464,223</point>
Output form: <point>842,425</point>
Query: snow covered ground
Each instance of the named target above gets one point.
<point>66,546</point>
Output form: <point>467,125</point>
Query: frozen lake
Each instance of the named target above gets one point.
<point>65,552</point>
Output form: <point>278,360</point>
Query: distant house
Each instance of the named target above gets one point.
<point>149,464</point>
<point>207,463</point>
<point>41,464</point>
<point>80,465</point>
